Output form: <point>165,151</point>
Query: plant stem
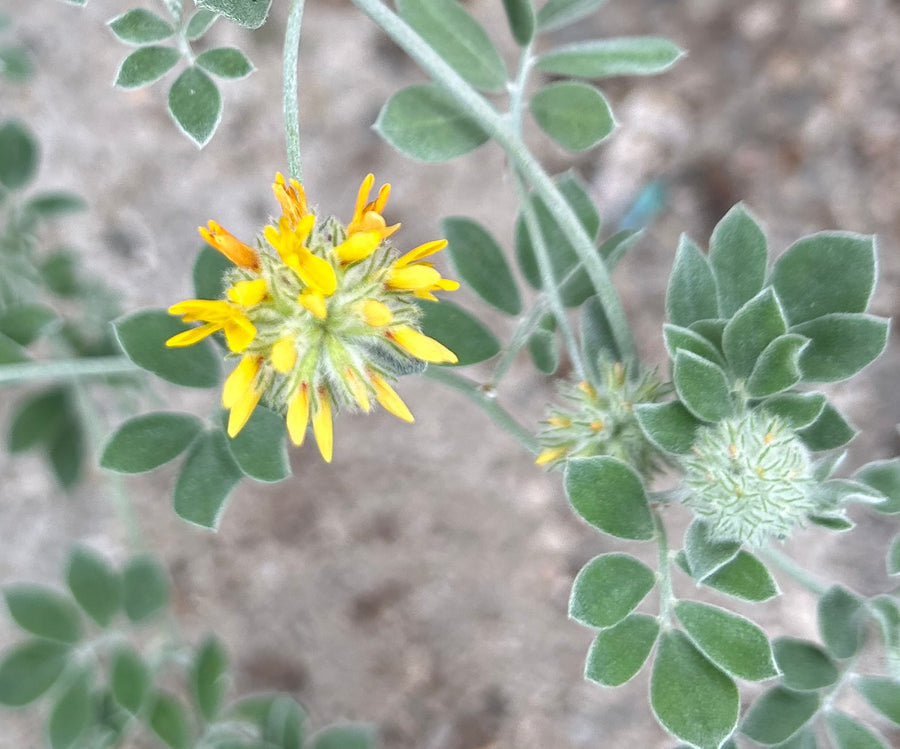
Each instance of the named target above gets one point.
<point>794,570</point>
<point>548,282</point>
<point>290,102</point>
<point>487,402</point>
<point>519,338</point>
<point>664,573</point>
<point>497,127</point>
<point>66,369</point>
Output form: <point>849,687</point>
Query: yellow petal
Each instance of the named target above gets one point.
<point>316,272</point>
<point>357,246</point>
<point>291,198</point>
<point>362,197</point>
<point>323,429</point>
<point>421,346</point>
<point>388,398</point>
<point>190,337</point>
<point>236,251</point>
<point>207,310</point>
<point>358,388</point>
<point>298,415</point>
<point>240,380</point>
<point>239,332</point>
<point>284,354</point>
<point>241,411</point>
<point>413,278</point>
<point>381,201</point>
<point>422,251</point>
<point>549,455</point>
<point>248,293</point>
<point>375,313</point>
<point>314,302</point>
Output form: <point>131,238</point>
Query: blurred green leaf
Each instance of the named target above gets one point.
<point>15,64</point>
<point>143,336</point>
<point>260,448</point>
<point>609,495</point>
<point>129,678</point>
<point>804,665</point>
<point>209,677</point>
<point>733,643</point>
<point>575,115</point>
<point>828,431</point>
<point>146,65</point>
<point>350,736</point>
<point>199,23</point>
<point>145,587</point>
<point>30,668</point>
<point>480,262</point>
<point>140,26</point>
<point>225,62</point>
<point>59,271</point>
<point>557,13</point>
<point>147,442</point>
<point>692,698</point>
<point>196,105</point>
<point>883,475</point>
<point>841,344</point>
<point>18,155</point>
<point>882,693</point>
<point>425,123</point>
<point>522,20</point>
<point>618,653</point>
<point>778,714</point>
<point>36,420</point>
<point>608,588</point>
<point>48,205</point>
<point>544,349</point>
<point>44,612</point>
<point>169,721</point>
<point>824,273</point>
<point>95,585</point>
<point>459,331</point>
<point>71,714</point>
<point>840,621</point>
<point>637,55</point>
<point>67,450</point>
<point>848,733</point>
<point>208,272</point>
<point>207,478</point>
<point>457,37</point>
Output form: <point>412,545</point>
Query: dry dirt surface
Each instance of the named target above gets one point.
<point>420,581</point>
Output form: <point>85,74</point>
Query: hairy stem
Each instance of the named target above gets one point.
<point>519,338</point>
<point>487,402</point>
<point>664,573</point>
<point>66,369</point>
<point>794,570</point>
<point>501,130</point>
<point>290,101</point>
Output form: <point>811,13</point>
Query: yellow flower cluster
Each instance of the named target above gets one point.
<point>321,314</point>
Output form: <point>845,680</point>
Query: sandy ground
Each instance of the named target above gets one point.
<point>420,581</point>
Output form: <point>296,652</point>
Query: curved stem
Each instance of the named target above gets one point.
<point>790,567</point>
<point>548,282</point>
<point>487,402</point>
<point>66,369</point>
<point>519,338</point>
<point>497,127</point>
<point>290,101</point>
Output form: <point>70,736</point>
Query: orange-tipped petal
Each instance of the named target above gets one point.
<point>375,313</point>
<point>388,398</point>
<point>192,336</point>
<point>284,354</point>
<point>239,332</point>
<point>292,199</point>
<point>323,429</point>
<point>240,380</point>
<point>421,346</point>
<point>236,251</point>
<point>248,293</point>
<point>298,415</point>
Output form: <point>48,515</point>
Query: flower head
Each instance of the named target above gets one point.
<point>321,315</point>
<point>600,420</point>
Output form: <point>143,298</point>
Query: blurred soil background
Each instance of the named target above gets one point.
<point>420,581</point>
